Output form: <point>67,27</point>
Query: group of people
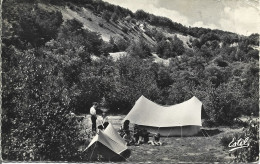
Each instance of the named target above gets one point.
<point>138,136</point>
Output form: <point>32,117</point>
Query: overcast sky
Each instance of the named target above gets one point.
<point>239,16</point>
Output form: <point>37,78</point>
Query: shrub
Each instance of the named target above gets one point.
<point>222,103</point>
<point>38,125</point>
<point>125,29</point>
<point>208,123</point>
<point>226,140</point>
<point>114,17</point>
<point>39,26</point>
<point>106,15</point>
<point>100,24</point>
<point>250,153</point>
<point>133,21</point>
<point>89,6</point>
<point>140,49</point>
<point>122,44</point>
<point>72,7</point>
<point>89,19</point>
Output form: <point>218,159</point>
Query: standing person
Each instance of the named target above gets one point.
<point>93,117</point>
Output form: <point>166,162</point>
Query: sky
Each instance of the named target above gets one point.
<point>239,16</point>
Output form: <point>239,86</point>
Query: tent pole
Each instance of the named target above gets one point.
<point>181,131</point>
<point>93,151</point>
<point>169,133</point>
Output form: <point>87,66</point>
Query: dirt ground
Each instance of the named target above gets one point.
<point>200,148</point>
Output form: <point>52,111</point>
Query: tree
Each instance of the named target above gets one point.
<point>114,17</point>
<point>253,54</point>
<point>196,43</point>
<point>177,45</point>
<point>163,78</point>
<point>106,15</point>
<point>141,15</point>
<point>222,103</point>
<point>122,44</point>
<point>208,37</point>
<point>72,36</point>
<point>170,47</point>
<point>134,79</point>
<point>36,110</point>
<point>139,48</point>
<point>254,39</point>
<point>39,26</point>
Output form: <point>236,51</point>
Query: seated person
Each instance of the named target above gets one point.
<point>144,137</point>
<point>128,138</point>
<point>105,125</point>
<point>156,140</point>
<point>136,133</point>
<point>124,128</point>
<point>104,122</point>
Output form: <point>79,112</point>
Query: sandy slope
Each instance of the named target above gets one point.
<point>109,29</point>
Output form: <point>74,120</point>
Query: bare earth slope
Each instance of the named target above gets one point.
<point>96,23</point>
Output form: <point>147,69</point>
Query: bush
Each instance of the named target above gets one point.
<point>140,49</point>
<point>100,24</point>
<point>250,153</point>
<point>208,123</point>
<point>122,44</point>
<point>226,140</point>
<point>222,103</point>
<point>72,7</point>
<point>38,26</point>
<point>133,21</point>
<point>38,125</point>
<point>89,6</point>
<point>125,29</point>
<point>114,17</point>
<point>106,15</point>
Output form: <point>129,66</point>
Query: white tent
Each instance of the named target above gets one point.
<point>182,119</point>
<point>107,145</point>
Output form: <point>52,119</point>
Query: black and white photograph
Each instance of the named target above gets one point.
<point>129,81</point>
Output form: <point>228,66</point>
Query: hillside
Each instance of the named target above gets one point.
<point>81,33</point>
<point>94,22</point>
<point>117,30</point>
<point>60,56</point>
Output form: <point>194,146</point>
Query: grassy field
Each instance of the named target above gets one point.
<point>179,149</point>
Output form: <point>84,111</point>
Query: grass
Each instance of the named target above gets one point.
<point>178,149</point>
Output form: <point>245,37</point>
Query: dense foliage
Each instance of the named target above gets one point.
<point>53,67</point>
<point>250,134</point>
<point>250,153</point>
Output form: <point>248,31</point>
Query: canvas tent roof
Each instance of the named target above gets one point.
<point>108,139</point>
<point>148,113</point>
<point>113,134</point>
